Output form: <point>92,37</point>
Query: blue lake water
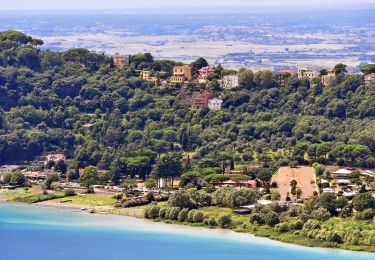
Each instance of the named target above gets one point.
<point>28,232</point>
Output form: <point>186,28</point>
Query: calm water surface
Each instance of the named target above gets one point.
<point>30,233</point>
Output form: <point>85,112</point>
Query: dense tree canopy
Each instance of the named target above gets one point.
<point>76,103</point>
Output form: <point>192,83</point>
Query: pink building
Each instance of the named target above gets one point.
<point>204,72</point>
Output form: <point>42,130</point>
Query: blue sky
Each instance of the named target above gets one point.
<point>125,4</point>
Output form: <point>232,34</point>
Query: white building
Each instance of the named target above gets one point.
<point>369,79</point>
<point>342,174</point>
<point>307,73</point>
<point>215,104</point>
<point>230,81</point>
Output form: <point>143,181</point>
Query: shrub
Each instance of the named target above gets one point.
<point>56,186</point>
<point>153,212</point>
<point>367,214</point>
<point>50,179</point>
<point>225,220</point>
<point>172,213</point>
<point>145,213</point>
<point>183,215</point>
<point>333,236</point>
<point>69,192</point>
<point>181,200</point>
<point>198,216</point>
<point>271,219</point>
<point>298,224</point>
<point>321,214</point>
<point>364,201</point>
<point>257,218</point>
<point>304,217</point>
<point>163,212</point>
<point>275,207</point>
<point>310,228</point>
<point>200,198</point>
<point>282,227</point>
<point>212,221</point>
<point>275,196</point>
<point>150,196</point>
<point>118,196</point>
<point>294,211</point>
<point>230,197</point>
<point>191,215</point>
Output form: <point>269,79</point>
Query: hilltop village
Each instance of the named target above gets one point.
<point>288,155</point>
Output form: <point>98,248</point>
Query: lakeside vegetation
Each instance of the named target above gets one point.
<point>116,129</point>
<point>311,224</point>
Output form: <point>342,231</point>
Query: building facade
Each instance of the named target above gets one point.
<point>370,78</point>
<point>204,73</point>
<point>121,61</point>
<point>307,74</point>
<point>181,74</point>
<point>201,100</point>
<point>215,104</point>
<point>327,79</point>
<point>283,75</point>
<point>230,82</point>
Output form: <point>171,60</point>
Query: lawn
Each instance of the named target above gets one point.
<point>19,193</point>
<point>88,200</point>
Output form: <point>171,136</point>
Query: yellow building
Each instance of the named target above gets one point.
<point>181,74</point>
<point>146,75</point>
<point>327,79</point>
<point>149,76</point>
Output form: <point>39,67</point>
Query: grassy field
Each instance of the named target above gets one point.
<point>19,193</point>
<point>31,195</point>
<point>88,200</point>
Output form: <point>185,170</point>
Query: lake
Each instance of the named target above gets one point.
<point>29,232</point>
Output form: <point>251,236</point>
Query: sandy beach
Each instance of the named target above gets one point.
<point>131,212</point>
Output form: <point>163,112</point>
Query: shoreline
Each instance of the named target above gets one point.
<point>190,230</point>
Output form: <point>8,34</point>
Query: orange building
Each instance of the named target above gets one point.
<point>181,74</point>
<point>283,75</point>
<point>201,100</point>
<point>121,61</point>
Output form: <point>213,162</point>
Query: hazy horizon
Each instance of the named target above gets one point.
<point>18,5</point>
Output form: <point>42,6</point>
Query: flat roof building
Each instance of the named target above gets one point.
<point>230,81</point>
<point>307,73</point>
<point>181,74</point>
<point>215,104</point>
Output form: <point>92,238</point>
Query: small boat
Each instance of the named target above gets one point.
<point>83,208</point>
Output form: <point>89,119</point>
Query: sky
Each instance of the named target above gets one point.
<point>152,4</point>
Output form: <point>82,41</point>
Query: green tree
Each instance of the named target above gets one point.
<point>51,178</point>
<point>169,167</point>
<point>340,69</point>
<point>198,64</point>
<point>89,176</point>
<point>328,201</point>
<point>364,201</point>
<point>246,78</point>
<point>151,184</point>
<point>368,69</point>
<point>129,184</point>
<point>61,166</point>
